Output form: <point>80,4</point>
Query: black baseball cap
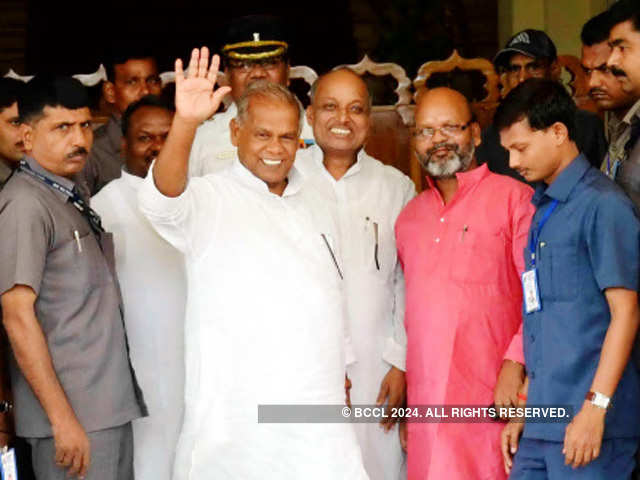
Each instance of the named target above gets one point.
<point>532,43</point>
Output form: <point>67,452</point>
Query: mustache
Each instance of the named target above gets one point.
<point>449,146</point>
<point>617,72</point>
<point>77,151</point>
<point>593,91</point>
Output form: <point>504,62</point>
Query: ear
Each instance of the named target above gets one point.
<point>309,114</point>
<point>235,131</point>
<point>109,92</point>
<point>288,72</point>
<point>26,133</point>
<point>223,78</point>
<point>476,133</point>
<point>123,144</point>
<point>560,133</point>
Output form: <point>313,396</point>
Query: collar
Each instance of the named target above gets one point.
<point>612,122</point>
<point>563,185</point>
<point>318,158</point>
<point>465,179</point>
<point>5,172</point>
<point>65,182</point>
<point>249,179</point>
<point>114,132</point>
<point>131,180</point>
<point>228,114</point>
<point>633,112</point>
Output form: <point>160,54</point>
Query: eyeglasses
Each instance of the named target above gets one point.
<point>427,133</point>
<point>246,66</point>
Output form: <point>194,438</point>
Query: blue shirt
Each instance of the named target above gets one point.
<point>590,242</point>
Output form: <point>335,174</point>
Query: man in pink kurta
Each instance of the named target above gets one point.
<point>460,243</point>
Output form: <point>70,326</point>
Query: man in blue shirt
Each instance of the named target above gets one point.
<point>581,302</point>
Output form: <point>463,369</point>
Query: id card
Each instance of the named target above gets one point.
<point>8,470</point>
<point>531,291</point>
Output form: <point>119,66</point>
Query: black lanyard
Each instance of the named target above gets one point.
<point>93,218</point>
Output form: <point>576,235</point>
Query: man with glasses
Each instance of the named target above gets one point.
<point>460,243</point>
<point>532,54</point>
<point>254,50</point>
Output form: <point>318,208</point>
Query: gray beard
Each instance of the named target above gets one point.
<point>448,169</point>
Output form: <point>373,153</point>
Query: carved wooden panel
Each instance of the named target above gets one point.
<point>366,65</point>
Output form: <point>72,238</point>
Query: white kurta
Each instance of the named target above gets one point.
<point>265,325</point>
<point>153,284</point>
<point>370,192</point>
<point>212,149</point>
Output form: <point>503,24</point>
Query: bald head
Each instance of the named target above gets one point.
<point>339,113</point>
<point>446,133</point>
<point>445,101</point>
<point>336,77</point>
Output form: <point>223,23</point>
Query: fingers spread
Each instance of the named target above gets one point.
<point>192,70</point>
<point>219,94</point>
<point>203,64</point>
<point>213,68</point>
<point>179,71</point>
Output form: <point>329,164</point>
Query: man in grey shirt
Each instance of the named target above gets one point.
<point>10,141</point>
<point>74,389</point>
<point>606,90</point>
<point>624,61</point>
<point>130,76</point>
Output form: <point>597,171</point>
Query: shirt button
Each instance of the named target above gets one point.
<point>442,220</point>
<point>543,244</point>
<point>532,375</point>
<point>437,240</point>
<point>533,339</point>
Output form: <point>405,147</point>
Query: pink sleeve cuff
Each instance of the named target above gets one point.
<point>515,351</point>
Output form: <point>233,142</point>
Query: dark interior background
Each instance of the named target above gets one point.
<point>69,37</point>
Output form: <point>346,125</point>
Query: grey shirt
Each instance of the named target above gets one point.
<point>628,173</point>
<point>48,245</point>
<point>105,159</point>
<point>5,173</point>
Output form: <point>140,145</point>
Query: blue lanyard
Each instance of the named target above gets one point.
<point>612,173</point>
<point>535,235</point>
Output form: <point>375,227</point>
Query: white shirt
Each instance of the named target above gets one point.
<point>153,283</point>
<point>265,325</point>
<point>369,193</point>
<point>212,149</point>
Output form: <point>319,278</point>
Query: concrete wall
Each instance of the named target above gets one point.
<point>561,19</point>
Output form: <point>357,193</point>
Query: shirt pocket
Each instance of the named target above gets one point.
<point>557,271</point>
<point>477,256</point>
<point>80,260</point>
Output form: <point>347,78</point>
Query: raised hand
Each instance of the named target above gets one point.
<point>196,97</point>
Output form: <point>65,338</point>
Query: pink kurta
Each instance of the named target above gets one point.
<point>462,264</point>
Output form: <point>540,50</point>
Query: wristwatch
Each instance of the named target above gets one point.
<point>600,400</point>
